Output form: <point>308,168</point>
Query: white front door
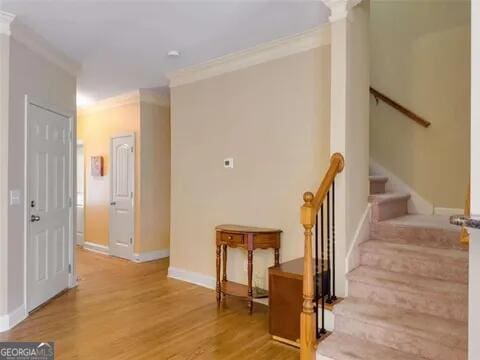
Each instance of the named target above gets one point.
<point>122,196</point>
<point>48,208</point>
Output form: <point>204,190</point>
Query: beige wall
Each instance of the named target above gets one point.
<point>96,128</point>
<point>151,125</point>
<point>37,77</point>
<point>155,179</point>
<point>420,56</point>
<point>273,119</point>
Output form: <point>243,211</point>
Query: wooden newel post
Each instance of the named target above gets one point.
<point>307,317</point>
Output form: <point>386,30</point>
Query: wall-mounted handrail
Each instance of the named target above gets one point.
<point>318,283</point>
<point>379,96</point>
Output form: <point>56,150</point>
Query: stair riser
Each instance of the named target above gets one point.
<point>437,238</point>
<point>400,340</point>
<point>389,210</point>
<point>449,306</point>
<point>377,187</point>
<point>403,263</point>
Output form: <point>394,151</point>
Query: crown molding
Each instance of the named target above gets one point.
<point>269,51</point>
<point>154,98</point>
<point>132,97</point>
<point>5,21</point>
<point>42,47</point>
<point>340,9</point>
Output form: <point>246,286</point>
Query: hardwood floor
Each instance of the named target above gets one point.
<point>122,310</point>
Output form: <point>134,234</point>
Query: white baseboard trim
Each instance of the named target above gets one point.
<point>192,277</point>
<point>100,249</point>
<point>13,318</point>
<point>151,255</point>
<point>417,204</point>
<point>361,234</point>
<point>447,211</point>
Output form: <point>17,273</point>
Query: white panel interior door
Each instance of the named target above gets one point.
<point>80,194</point>
<point>48,204</point>
<point>122,196</point>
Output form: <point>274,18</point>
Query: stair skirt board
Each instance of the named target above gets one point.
<point>417,204</point>
<point>362,234</point>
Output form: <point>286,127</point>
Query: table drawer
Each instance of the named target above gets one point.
<point>265,241</point>
<point>232,239</point>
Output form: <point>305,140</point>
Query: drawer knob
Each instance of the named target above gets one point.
<point>230,237</point>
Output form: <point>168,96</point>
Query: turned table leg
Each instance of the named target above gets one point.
<point>218,275</point>
<point>277,257</point>
<point>250,290</point>
<point>224,266</point>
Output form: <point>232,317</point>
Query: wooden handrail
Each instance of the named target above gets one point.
<point>336,166</point>
<point>378,95</point>
<point>309,211</point>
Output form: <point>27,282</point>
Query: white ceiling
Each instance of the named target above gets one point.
<point>122,45</point>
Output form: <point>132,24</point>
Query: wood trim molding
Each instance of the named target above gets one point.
<point>154,98</point>
<point>5,20</point>
<point>97,248</point>
<point>133,97</point>
<point>42,47</point>
<point>340,9</point>
<point>269,51</point>
<point>13,318</point>
<point>192,277</point>
<point>151,255</point>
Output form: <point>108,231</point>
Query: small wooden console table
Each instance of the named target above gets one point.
<point>248,238</point>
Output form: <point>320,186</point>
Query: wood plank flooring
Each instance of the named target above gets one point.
<point>121,310</point>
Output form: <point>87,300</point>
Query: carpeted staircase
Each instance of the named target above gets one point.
<point>408,298</point>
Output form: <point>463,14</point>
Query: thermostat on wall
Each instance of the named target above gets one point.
<point>228,163</point>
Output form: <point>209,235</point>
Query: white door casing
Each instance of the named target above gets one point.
<point>122,178</point>
<point>48,203</point>
<point>80,193</point>
<point>474,247</point>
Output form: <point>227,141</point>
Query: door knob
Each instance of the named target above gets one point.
<point>34,218</point>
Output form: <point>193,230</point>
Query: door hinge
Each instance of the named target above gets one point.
<point>131,149</point>
<point>131,241</point>
<point>70,135</point>
<point>69,268</point>
<point>70,202</point>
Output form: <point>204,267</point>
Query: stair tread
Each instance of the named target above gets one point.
<point>339,346</point>
<point>402,281</point>
<point>416,251</point>
<point>387,197</point>
<point>449,332</point>
<point>423,221</point>
<point>378,178</point>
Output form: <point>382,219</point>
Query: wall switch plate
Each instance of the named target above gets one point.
<point>14,197</point>
<point>228,163</point>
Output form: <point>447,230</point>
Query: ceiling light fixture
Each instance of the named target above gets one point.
<point>173,53</point>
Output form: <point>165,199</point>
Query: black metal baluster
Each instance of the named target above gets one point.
<point>316,276</point>
<point>322,261</point>
<point>334,297</point>
<point>329,297</point>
